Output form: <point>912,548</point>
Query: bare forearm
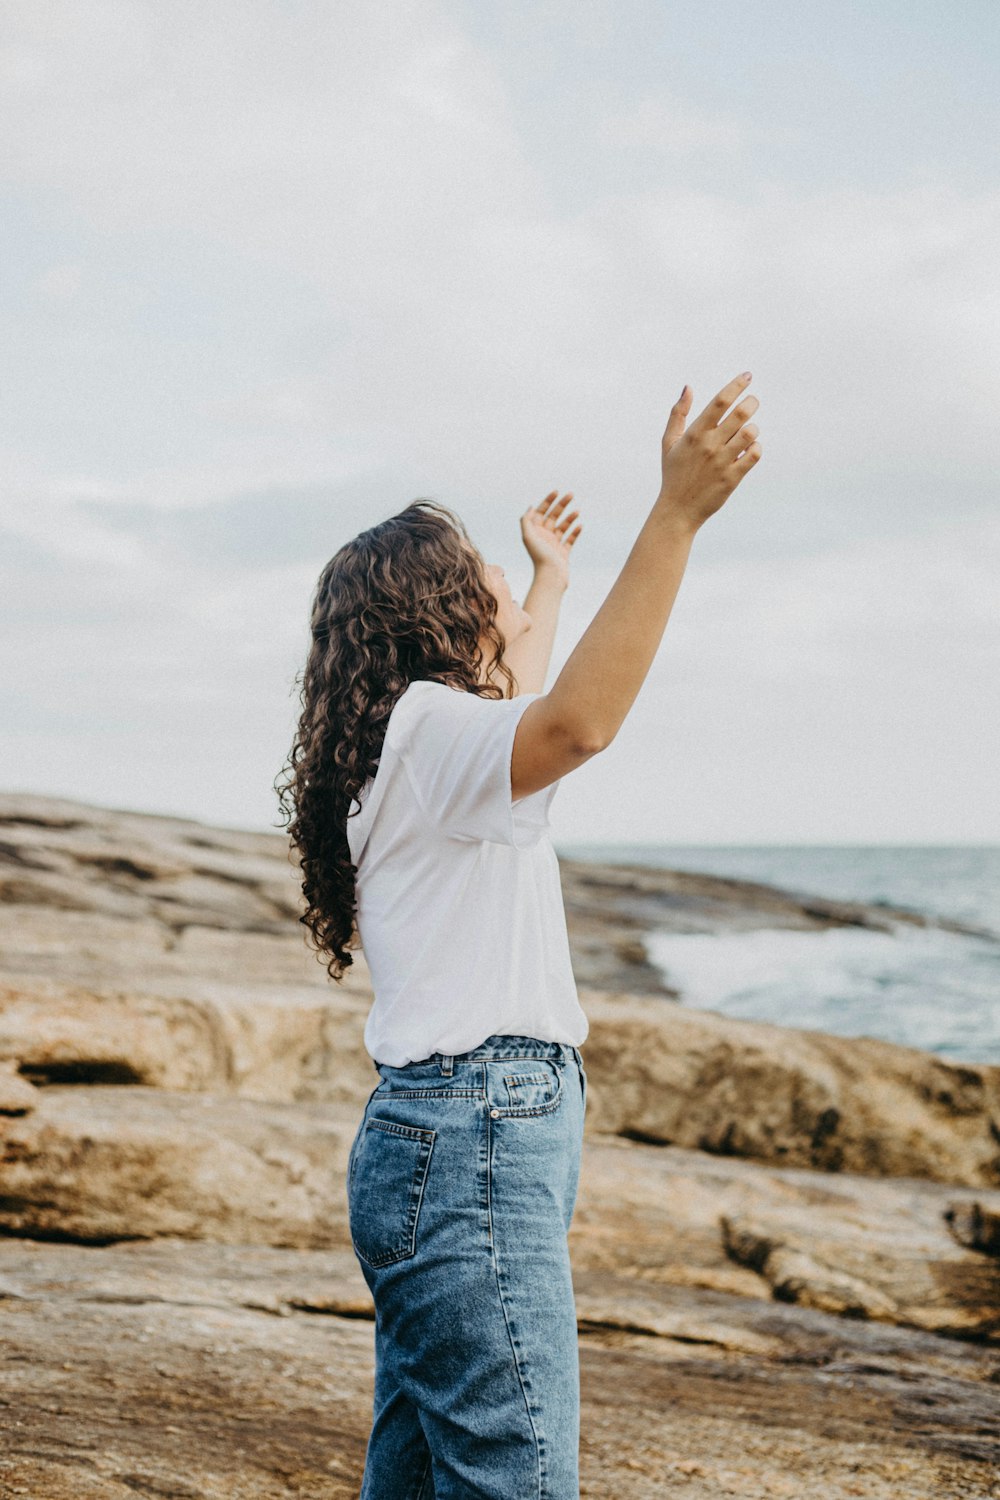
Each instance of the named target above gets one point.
<point>529,655</point>
<point>601,679</point>
<point>700,467</point>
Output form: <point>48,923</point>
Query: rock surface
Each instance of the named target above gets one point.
<point>668,1075</point>
<point>784,1248</point>
<point>108,1163</point>
<point>127,986</point>
<point>215,1371</point>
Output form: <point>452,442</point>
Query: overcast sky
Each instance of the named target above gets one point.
<point>273,269</point>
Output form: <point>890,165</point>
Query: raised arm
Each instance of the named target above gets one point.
<point>590,699</point>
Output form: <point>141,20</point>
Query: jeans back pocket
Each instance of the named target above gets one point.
<point>532,1088</point>
<point>387,1177</point>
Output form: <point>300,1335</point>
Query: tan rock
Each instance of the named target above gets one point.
<point>223,1371</point>
<point>795,1275</point>
<point>262,1041</point>
<point>975,1225</point>
<point>17,1095</point>
<point>656,1072</point>
<point>773,1093</point>
<point>193,930</point>
<point>839,1242</point>
<point>59,1033</point>
<point>745,1323</point>
<point>105,1163</point>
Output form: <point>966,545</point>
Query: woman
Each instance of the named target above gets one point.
<point>417,792</point>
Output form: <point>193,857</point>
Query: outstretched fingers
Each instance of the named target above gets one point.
<point>677,417</point>
<point>551,513</point>
<point>716,409</point>
<point>747,458</point>
<point>742,438</point>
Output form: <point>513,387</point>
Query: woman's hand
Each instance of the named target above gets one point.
<point>702,466</point>
<point>546,534</point>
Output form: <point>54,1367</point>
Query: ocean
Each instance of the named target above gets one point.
<point>919,986</point>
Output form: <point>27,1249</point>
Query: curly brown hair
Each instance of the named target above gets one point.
<point>404,601</point>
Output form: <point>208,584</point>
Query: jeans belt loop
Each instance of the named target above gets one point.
<point>447,1064</point>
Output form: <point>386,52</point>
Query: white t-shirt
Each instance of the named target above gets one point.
<point>460,909</point>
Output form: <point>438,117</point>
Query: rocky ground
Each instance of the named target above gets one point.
<point>786,1248</point>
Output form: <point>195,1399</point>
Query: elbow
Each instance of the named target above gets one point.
<point>575,739</point>
<point>589,745</point>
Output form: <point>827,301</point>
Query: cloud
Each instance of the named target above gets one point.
<point>845,696</point>
<point>672,126</point>
<point>279,279</point>
<point>484,332</point>
<point>60,283</point>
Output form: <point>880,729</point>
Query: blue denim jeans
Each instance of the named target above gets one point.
<point>462,1181</point>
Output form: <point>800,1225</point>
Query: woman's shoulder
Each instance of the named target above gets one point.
<point>425,690</point>
<point>425,702</point>
<point>414,702</point>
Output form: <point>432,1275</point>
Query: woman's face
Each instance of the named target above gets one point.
<point>512,619</point>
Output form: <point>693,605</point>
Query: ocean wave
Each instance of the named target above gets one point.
<point>922,987</point>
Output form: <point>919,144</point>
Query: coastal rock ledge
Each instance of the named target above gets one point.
<point>786,1251</point>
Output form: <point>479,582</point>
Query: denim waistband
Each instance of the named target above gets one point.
<point>499,1046</point>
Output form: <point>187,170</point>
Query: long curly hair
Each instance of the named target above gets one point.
<point>405,601</point>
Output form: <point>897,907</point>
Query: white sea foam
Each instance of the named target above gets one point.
<point>919,986</point>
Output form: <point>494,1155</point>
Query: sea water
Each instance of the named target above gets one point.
<point>922,986</point>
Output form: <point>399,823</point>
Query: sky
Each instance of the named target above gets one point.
<point>275,268</point>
